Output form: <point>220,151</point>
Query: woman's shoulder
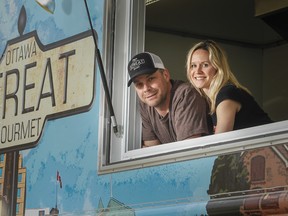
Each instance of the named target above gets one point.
<point>230,92</point>
<point>229,88</point>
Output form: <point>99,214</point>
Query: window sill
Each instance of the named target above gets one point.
<point>234,141</point>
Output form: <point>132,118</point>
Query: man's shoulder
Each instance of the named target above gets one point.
<point>180,86</point>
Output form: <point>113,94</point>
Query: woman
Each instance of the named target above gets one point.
<point>231,105</point>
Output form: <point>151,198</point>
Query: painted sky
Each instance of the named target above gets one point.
<point>69,144</point>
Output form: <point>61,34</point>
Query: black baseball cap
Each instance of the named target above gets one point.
<point>144,63</point>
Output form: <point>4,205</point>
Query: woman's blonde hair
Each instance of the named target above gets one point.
<point>223,75</point>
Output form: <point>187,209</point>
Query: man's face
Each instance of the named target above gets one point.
<point>154,89</point>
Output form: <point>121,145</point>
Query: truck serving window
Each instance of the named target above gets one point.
<point>169,29</point>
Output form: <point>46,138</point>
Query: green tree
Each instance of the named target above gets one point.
<point>228,174</point>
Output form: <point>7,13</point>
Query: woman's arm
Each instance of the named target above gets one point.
<point>226,112</point>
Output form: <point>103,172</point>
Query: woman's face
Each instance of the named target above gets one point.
<point>201,71</point>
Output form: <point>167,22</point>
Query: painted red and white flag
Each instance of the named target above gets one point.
<point>58,177</point>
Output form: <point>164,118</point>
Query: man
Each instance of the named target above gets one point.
<point>170,110</point>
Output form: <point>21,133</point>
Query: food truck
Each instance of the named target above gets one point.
<point>70,129</point>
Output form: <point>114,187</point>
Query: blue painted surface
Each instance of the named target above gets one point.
<point>70,146</point>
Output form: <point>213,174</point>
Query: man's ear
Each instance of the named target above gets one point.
<point>166,74</point>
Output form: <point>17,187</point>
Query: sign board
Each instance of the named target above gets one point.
<point>39,82</point>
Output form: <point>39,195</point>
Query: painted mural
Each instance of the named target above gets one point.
<point>68,146</point>
<point>58,174</point>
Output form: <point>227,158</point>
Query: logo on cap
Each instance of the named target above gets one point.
<point>136,63</point>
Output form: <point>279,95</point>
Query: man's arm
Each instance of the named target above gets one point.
<point>149,143</point>
<point>195,136</point>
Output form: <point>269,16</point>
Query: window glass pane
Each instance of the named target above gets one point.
<point>1,157</point>
<point>17,207</point>
<point>258,168</point>
<point>20,177</point>
<point>171,37</point>
<point>18,192</point>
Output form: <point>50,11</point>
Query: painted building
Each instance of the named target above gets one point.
<point>5,184</point>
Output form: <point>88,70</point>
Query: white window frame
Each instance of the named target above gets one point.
<point>115,152</point>
<point>126,39</point>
